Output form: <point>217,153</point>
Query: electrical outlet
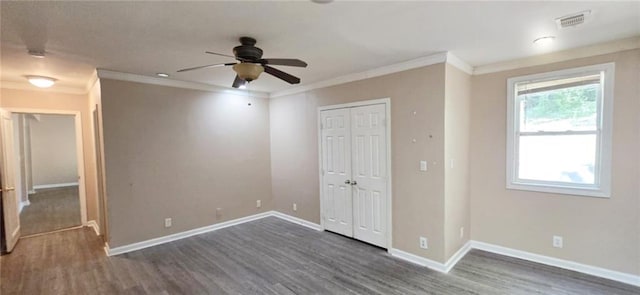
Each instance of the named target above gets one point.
<point>462,232</point>
<point>218,213</point>
<point>295,207</point>
<point>423,165</point>
<point>258,204</point>
<point>557,241</point>
<point>423,243</point>
<point>167,222</point>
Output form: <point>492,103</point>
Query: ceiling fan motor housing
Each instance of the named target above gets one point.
<point>246,52</point>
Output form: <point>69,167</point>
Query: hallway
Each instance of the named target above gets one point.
<point>51,209</point>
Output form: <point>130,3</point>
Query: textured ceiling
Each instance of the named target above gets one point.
<point>335,39</point>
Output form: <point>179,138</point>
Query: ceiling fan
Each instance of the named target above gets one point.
<point>251,64</point>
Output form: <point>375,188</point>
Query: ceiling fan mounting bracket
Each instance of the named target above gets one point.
<point>248,41</point>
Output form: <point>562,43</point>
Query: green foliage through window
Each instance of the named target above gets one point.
<point>576,106</point>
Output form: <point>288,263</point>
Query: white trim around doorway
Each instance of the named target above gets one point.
<point>82,190</point>
<point>387,103</point>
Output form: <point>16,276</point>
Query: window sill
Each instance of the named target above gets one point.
<point>565,190</point>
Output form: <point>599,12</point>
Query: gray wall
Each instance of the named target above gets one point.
<point>418,197</point>
<point>181,153</point>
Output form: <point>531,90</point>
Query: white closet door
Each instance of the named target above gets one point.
<point>369,165</point>
<point>336,165</point>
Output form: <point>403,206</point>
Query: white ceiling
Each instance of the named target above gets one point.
<point>335,39</point>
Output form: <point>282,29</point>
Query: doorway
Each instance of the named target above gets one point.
<point>47,172</point>
<point>46,175</point>
<point>355,178</point>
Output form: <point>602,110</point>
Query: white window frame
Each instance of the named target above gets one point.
<point>602,173</point>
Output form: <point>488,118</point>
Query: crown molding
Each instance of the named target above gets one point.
<point>108,74</point>
<point>560,56</point>
<point>458,63</point>
<point>385,70</point>
<point>53,89</point>
<point>92,81</point>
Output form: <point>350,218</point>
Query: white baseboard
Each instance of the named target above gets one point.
<point>53,185</point>
<point>22,205</point>
<point>419,260</point>
<point>565,264</point>
<point>453,260</point>
<point>184,234</point>
<point>297,220</point>
<point>570,265</point>
<point>437,266</point>
<point>93,224</point>
<point>205,229</point>
<point>107,250</point>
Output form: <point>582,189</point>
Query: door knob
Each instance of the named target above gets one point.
<point>8,189</point>
<point>354,182</point>
<point>347,182</point>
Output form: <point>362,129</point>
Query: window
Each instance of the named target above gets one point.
<point>559,131</point>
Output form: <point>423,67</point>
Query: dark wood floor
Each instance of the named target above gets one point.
<point>51,209</point>
<point>269,256</point>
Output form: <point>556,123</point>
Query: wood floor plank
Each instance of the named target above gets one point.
<point>270,256</point>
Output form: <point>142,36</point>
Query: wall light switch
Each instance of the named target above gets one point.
<point>423,165</point>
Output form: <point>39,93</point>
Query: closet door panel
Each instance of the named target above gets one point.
<point>369,164</point>
<point>336,166</point>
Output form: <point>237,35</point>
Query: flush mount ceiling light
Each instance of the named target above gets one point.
<point>41,81</point>
<point>163,75</point>
<point>248,71</point>
<point>544,40</point>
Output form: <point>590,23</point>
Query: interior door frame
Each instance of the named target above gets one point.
<point>387,102</point>
<point>82,188</point>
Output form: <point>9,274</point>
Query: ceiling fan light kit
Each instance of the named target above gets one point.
<point>251,64</point>
<point>248,71</point>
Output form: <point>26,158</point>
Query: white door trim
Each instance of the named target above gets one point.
<point>387,103</point>
<point>82,191</point>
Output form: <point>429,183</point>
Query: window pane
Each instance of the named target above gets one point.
<point>569,108</point>
<point>559,158</point>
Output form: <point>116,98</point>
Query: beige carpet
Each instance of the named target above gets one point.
<point>51,209</point>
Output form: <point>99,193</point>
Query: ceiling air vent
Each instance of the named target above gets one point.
<point>572,20</point>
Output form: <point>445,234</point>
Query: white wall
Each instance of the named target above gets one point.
<point>53,150</point>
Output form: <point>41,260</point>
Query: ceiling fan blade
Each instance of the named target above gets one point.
<point>238,82</point>
<point>292,62</point>
<point>282,75</point>
<point>207,66</point>
<point>220,54</point>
